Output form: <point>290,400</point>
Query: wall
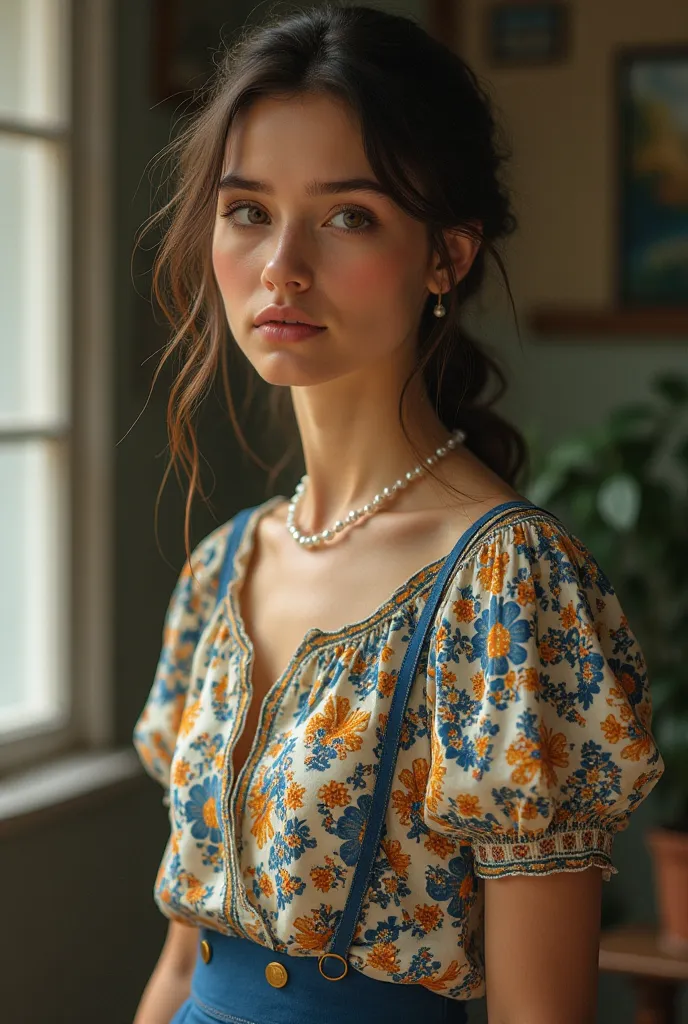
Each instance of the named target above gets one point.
<point>560,124</point>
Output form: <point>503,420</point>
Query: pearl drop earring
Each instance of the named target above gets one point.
<point>439,309</point>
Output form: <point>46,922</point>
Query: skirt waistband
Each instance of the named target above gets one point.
<point>240,982</point>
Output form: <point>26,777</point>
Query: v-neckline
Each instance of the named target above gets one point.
<point>314,637</point>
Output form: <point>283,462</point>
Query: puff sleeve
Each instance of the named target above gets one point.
<point>540,708</point>
<point>189,610</point>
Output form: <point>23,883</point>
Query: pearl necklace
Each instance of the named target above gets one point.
<point>360,514</point>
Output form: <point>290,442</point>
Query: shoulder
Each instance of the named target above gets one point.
<point>527,543</point>
<point>200,574</point>
<point>527,575</point>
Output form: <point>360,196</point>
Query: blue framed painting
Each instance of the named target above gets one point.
<point>652,86</point>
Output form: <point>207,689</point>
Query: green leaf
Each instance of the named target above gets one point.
<point>674,389</point>
<point>624,420</point>
<point>618,501</point>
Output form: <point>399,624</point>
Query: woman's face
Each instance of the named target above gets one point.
<point>352,261</point>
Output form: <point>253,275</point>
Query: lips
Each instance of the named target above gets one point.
<point>294,323</point>
<point>281,314</point>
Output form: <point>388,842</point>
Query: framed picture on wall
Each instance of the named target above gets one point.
<point>652,97</point>
<point>523,33</point>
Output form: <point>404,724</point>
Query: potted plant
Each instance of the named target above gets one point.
<point>622,488</point>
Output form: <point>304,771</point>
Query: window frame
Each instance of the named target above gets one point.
<point>86,438</point>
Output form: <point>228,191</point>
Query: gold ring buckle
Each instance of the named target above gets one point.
<point>336,956</point>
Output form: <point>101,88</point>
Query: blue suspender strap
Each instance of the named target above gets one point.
<point>346,926</point>
<point>233,541</point>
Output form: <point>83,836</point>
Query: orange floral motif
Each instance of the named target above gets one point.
<point>415,783</point>
<point>519,535</point>
<point>439,982</point>
<point>498,641</point>
<point>398,861</point>
<point>309,936</point>
<point>464,610</point>
<point>322,878</point>
<point>219,690</point>
<point>525,593</point>
<point>265,884</point>
<point>261,807</point>
<point>433,794</point>
<point>386,682</point>
<point>478,683</point>
<point>384,957</point>
<point>493,570</point>
<point>568,616</point>
<point>469,805</point>
<point>548,654</point>
<point>290,885</point>
<point>188,720</point>
<point>294,796</point>
<point>441,846</point>
<point>334,794</point>
<point>639,749</point>
<point>339,723</point>
<point>428,916</point>
<point>181,771</point>
<point>386,653</point>
<point>539,758</point>
<point>613,730</point>
<point>529,679</point>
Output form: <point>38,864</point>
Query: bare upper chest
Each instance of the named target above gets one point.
<point>287,591</point>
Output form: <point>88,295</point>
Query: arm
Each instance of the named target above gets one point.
<point>170,982</point>
<point>541,948</point>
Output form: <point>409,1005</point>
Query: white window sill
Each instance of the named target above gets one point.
<point>72,782</point>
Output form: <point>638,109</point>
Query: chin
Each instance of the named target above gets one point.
<point>288,369</point>
<point>291,377</point>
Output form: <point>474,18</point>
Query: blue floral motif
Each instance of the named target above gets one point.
<point>289,845</point>
<point>351,827</point>
<point>455,883</point>
<point>502,616</point>
<point>203,809</point>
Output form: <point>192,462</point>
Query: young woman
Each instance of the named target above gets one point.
<point>400,716</point>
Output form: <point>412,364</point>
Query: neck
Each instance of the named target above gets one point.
<point>356,447</point>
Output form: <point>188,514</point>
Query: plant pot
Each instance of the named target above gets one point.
<point>669,850</point>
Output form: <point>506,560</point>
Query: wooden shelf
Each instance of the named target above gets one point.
<point>613,322</point>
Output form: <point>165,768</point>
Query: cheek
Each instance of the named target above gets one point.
<point>227,267</point>
<point>370,277</point>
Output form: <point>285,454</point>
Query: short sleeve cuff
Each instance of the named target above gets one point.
<point>571,850</point>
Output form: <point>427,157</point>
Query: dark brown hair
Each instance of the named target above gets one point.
<point>430,137</point>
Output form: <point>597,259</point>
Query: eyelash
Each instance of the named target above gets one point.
<point>372,220</point>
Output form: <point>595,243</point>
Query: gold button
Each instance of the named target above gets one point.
<point>206,951</point>
<point>276,974</point>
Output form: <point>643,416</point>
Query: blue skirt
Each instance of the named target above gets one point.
<point>240,982</point>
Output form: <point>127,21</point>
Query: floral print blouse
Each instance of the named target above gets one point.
<point>526,746</point>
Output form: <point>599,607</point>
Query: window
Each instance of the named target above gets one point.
<point>48,136</point>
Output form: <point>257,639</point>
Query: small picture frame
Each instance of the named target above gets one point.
<point>652,152</point>
<point>526,34</point>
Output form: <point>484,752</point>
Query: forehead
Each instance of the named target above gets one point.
<point>296,134</point>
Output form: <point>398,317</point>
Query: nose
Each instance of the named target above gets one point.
<point>288,265</point>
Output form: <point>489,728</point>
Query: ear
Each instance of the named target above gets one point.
<point>463,248</point>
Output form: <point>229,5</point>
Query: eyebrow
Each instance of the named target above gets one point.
<point>313,188</point>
